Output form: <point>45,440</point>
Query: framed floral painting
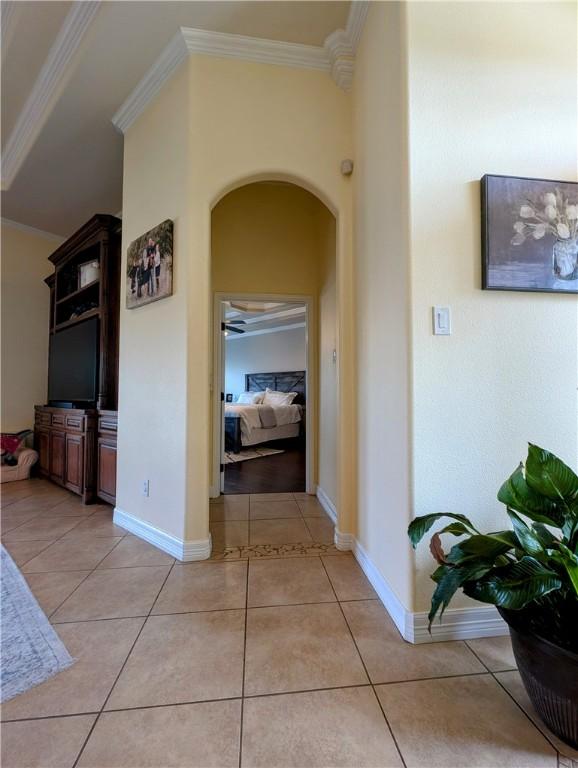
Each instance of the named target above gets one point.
<point>529,234</point>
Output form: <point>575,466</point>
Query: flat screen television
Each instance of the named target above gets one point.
<point>73,364</point>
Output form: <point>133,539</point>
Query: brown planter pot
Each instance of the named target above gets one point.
<point>550,676</point>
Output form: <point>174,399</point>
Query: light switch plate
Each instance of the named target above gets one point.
<point>442,321</point>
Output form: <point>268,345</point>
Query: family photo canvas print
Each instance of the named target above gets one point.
<point>150,266</point>
<point>529,234</point>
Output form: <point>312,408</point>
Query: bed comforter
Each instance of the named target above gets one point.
<point>263,416</point>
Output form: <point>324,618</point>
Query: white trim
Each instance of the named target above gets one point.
<point>47,88</point>
<point>457,623</point>
<point>341,45</point>
<point>32,230</point>
<point>232,336</point>
<point>183,550</point>
<point>327,504</point>
<point>356,21</point>
<point>343,541</point>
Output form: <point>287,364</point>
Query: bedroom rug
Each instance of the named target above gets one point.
<point>30,648</point>
<point>249,453</point>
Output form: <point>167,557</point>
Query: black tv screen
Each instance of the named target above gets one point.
<point>73,365</point>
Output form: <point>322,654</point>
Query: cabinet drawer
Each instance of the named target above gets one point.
<point>107,425</point>
<point>57,420</point>
<point>42,419</point>
<point>75,422</point>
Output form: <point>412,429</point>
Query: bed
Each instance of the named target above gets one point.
<point>248,425</point>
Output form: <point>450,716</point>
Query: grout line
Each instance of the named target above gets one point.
<point>244,665</point>
<point>364,666</point>
<point>122,668</point>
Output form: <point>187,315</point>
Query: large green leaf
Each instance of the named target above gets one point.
<point>516,494</point>
<point>529,540</point>
<point>548,475</point>
<point>569,561</point>
<point>421,525</point>
<point>514,586</point>
<point>449,579</point>
<point>546,538</point>
<point>457,529</point>
<point>479,547</point>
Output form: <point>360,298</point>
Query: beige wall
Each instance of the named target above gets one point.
<point>492,90</point>
<point>25,310</point>
<point>382,296</point>
<point>230,122</point>
<point>269,238</point>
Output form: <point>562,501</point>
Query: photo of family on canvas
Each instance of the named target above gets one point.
<point>150,266</point>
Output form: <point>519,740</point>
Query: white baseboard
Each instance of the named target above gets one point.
<point>185,551</point>
<point>457,623</point>
<point>327,504</point>
<point>214,492</point>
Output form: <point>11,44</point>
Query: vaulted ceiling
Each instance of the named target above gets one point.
<point>62,156</point>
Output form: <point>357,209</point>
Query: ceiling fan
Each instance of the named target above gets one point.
<point>230,326</point>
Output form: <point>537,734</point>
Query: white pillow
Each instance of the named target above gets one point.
<point>250,398</point>
<point>278,398</point>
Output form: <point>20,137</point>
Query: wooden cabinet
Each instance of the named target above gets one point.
<point>66,443</point>
<point>106,456</point>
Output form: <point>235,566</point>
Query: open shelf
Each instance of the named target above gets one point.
<point>67,323</point>
<point>78,292</point>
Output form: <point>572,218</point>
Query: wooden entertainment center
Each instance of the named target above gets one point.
<point>77,443</point>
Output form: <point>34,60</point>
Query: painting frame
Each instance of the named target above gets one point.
<point>492,262</point>
<point>149,266</point>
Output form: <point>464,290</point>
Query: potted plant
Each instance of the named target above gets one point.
<point>530,573</point>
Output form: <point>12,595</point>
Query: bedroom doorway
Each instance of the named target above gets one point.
<point>265,440</point>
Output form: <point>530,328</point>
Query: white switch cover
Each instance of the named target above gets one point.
<point>145,487</point>
<point>442,321</point>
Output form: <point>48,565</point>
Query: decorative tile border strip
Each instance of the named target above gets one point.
<point>275,550</point>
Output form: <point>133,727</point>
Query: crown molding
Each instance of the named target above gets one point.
<point>264,331</point>
<point>32,230</point>
<point>189,41</point>
<point>47,88</point>
<point>356,21</point>
<point>8,20</point>
<point>341,45</point>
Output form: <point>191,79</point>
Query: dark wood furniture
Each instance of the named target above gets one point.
<point>65,441</point>
<point>77,446</point>
<point>281,381</point>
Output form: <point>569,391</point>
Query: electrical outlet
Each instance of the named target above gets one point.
<point>145,487</point>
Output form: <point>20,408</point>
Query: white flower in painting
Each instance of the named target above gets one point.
<point>526,211</point>
<point>563,231</point>
<point>518,239</point>
<point>572,212</point>
<point>550,212</point>
<point>539,231</point>
<point>549,199</point>
<point>519,227</point>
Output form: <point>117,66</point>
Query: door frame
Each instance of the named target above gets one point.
<point>218,380</point>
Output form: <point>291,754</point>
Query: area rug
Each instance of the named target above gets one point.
<point>31,650</point>
<point>249,453</point>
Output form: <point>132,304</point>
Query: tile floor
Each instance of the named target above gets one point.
<point>281,657</point>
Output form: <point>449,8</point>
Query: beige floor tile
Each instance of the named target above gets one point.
<point>203,587</point>
<point>100,649</point>
<point>47,528</point>
<point>71,555</point>
<point>349,581</point>
<point>229,510</point>
<point>52,589</point>
<point>183,658</point>
<point>271,497</point>
<point>114,594</point>
<point>223,498</point>
<point>296,648</point>
<point>463,721</point>
<point>303,496</point>
<point>389,658</point>
<point>278,532</point>
<point>23,551</point>
<point>495,652</point>
<point>72,505</point>
<point>230,534</point>
<point>311,507</point>
<point>321,529</point>
<point>287,582</point>
<point>100,525</point>
<point>53,743</point>
<point>9,521</point>
<point>132,552</point>
<point>512,682</point>
<point>190,736</point>
<point>318,729</point>
<point>269,510</point>
<point>34,505</point>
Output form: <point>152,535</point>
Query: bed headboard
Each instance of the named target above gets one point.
<point>285,381</point>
